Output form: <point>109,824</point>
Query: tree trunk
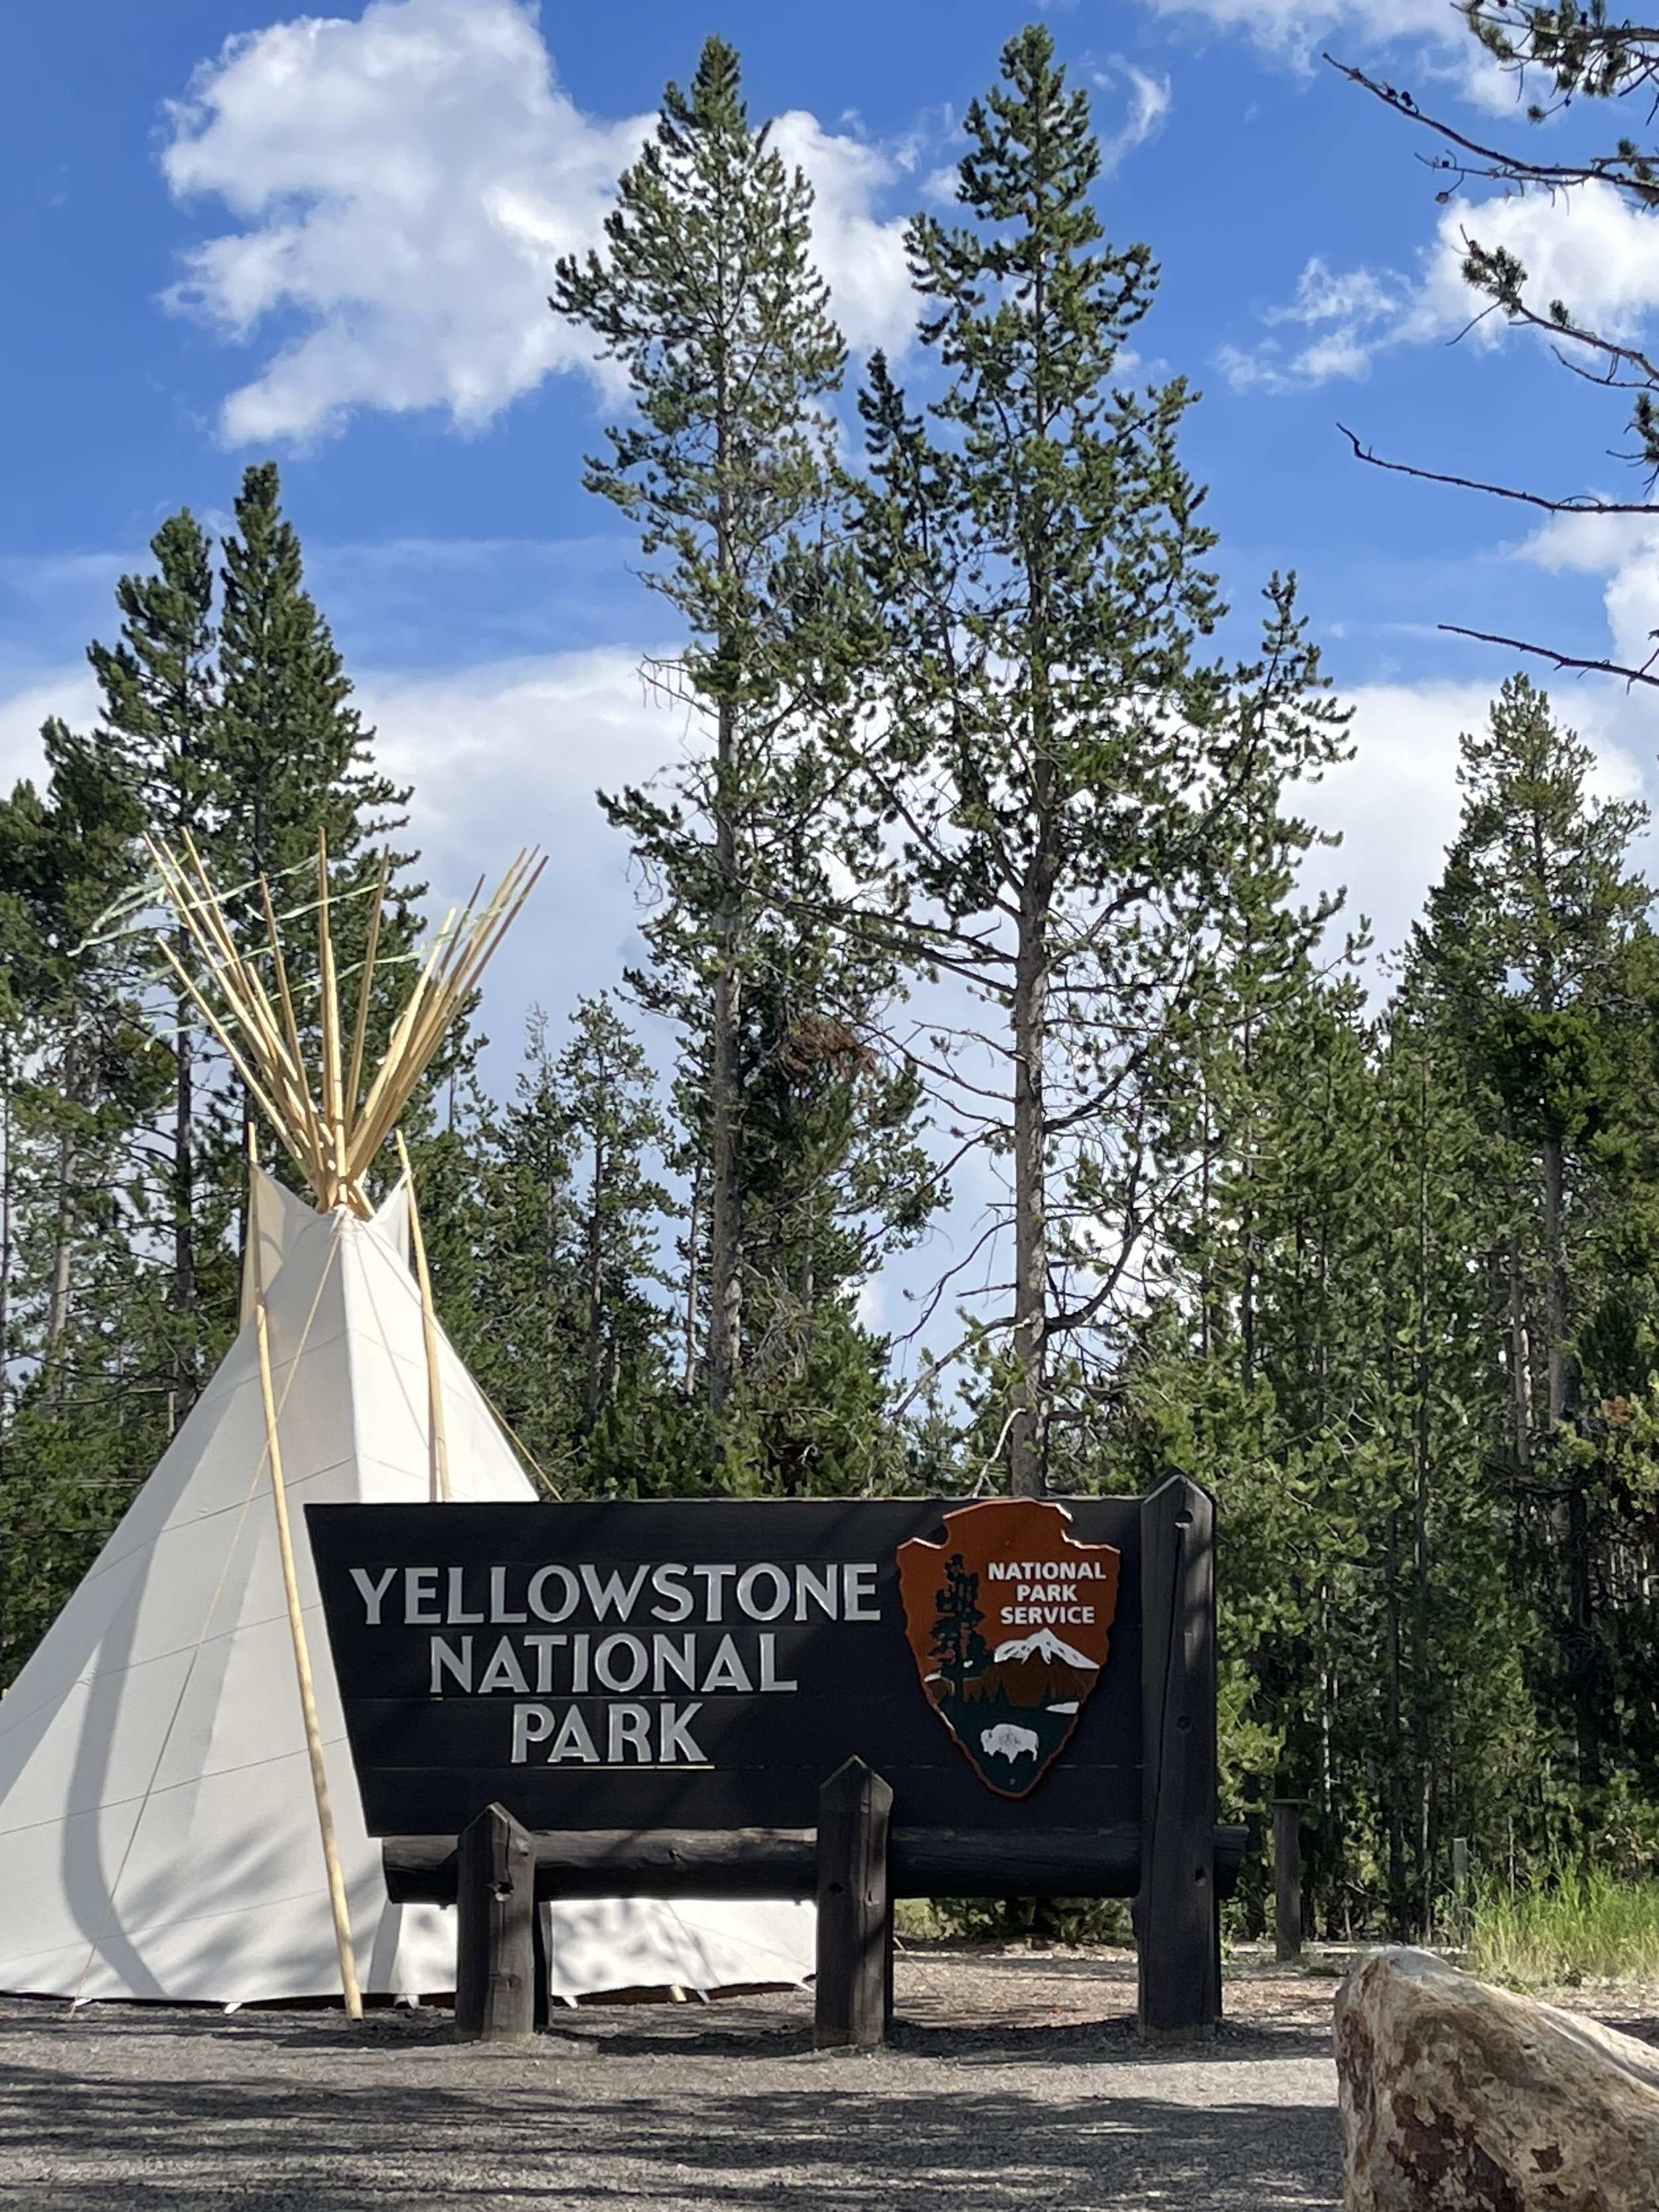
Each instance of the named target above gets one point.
<point>1519,1369</point>
<point>725,1098</point>
<point>1571,1520</point>
<point>725,1347</point>
<point>1584,1672</point>
<point>595,1379</point>
<point>1397,1754</point>
<point>57,1292</point>
<point>8,1170</point>
<point>1562,1377</point>
<point>1422,1657</point>
<point>57,1295</point>
<point>1027,1435</point>
<point>693,1231</point>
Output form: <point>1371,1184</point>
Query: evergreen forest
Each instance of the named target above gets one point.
<point>977,900</point>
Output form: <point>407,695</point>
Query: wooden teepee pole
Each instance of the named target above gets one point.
<point>337,1896</point>
<point>328,1012</point>
<point>437,1436</point>
<point>333,1129</point>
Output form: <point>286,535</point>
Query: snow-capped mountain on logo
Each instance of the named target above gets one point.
<point>1045,1644</point>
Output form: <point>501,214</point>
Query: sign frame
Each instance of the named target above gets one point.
<point>1127,1807</point>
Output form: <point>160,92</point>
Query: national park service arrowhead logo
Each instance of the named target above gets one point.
<point>1009,1619</point>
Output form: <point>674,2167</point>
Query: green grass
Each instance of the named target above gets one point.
<point>1578,1925</point>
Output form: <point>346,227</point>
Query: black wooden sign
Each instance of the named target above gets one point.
<point>852,1699</point>
<point>706,1665</point>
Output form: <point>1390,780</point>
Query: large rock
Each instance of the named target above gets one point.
<point>1458,2098</point>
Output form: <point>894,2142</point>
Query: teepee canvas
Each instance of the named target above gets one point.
<point>161,1777</point>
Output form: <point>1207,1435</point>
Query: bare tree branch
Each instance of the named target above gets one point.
<point>1580,503</point>
<point>1614,169</point>
<point>1563,661</point>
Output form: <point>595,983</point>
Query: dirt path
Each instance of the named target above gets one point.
<point>1015,2084</point>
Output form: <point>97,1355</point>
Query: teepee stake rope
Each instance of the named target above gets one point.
<point>337,1896</point>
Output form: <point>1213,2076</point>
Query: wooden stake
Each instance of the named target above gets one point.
<point>328,1013</point>
<point>437,1439</point>
<point>365,992</point>
<point>291,1026</point>
<point>337,1896</point>
<point>333,1138</point>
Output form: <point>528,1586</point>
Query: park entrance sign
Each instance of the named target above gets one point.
<point>708,1664</point>
<point>1013,1696</point>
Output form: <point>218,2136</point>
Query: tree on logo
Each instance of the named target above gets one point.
<point>956,1643</point>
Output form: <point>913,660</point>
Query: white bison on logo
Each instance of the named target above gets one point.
<point>1006,1742</point>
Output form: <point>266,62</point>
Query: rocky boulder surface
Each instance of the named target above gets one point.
<point>1459,2098</point>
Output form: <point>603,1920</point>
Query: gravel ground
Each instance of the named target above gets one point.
<point>1015,2084</point>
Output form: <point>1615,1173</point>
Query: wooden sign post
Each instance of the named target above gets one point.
<point>847,1698</point>
<point>1178,1907</point>
<point>495,1930</point>
<point>854,1978</point>
<point>1287,1878</point>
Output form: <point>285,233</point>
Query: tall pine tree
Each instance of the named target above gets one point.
<point>1062,781</point>
<point>706,297</point>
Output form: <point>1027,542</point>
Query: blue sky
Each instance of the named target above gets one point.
<point>233,232</point>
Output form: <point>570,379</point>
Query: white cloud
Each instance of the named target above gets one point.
<point>509,754</point>
<point>1624,549</point>
<point>1294,26</point>
<point>1148,102</point>
<point>70,693</point>
<point>403,183</point>
<point>1296,31</point>
<point>1588,249</point>
<point>1589,544</point>
<point>1396,802</point>
<point>1346,315</point>
<point>862,260</point>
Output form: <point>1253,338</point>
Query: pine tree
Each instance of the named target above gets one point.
<point>611,1118</point>
<point>706,297</point>
<point>555,1298</point>
<point>1065,782</point>
<point>295,760</point>
<point>161,736</point>
<point>79,1077</point>
<point>1538,950</point>
<point>123,1178</point>
<point>955,1642</point>
<point>294,755</point>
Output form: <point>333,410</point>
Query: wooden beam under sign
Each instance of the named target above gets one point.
<point>782,1862</point>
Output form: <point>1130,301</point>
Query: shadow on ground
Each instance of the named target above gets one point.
<point>696,2112</point>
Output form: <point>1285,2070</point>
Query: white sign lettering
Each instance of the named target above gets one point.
<point>575,1651</point>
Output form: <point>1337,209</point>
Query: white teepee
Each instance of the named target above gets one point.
<point>158,1836</point>
<point>159,1816</point>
